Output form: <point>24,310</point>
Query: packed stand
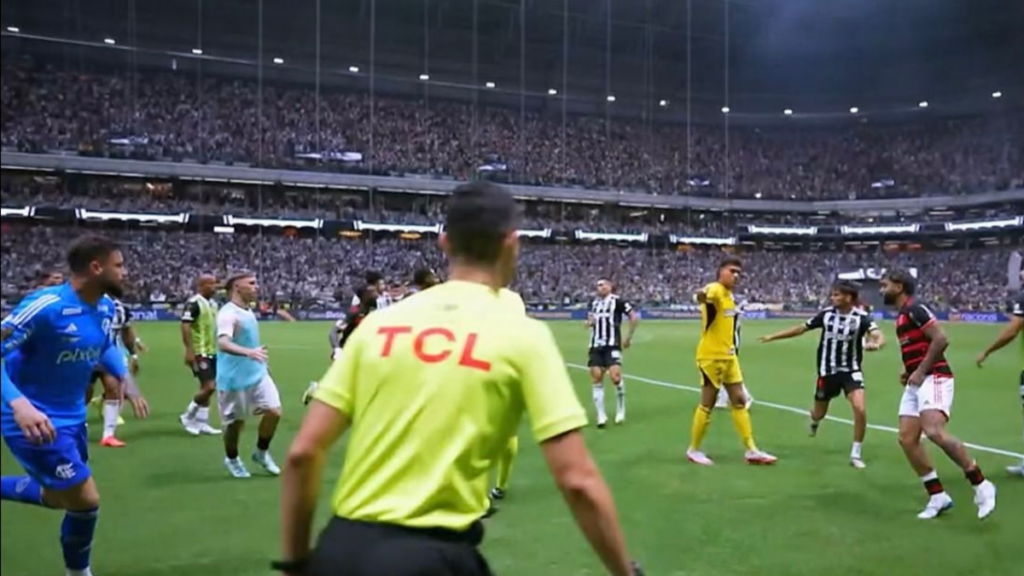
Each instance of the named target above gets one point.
<point>322,272</point>
<point>174,116</point>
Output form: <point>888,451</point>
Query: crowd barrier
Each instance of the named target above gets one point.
<point>166,313</point>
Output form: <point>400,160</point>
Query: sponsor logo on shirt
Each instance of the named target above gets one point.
<point>90,355</point>
<point>70,311</point>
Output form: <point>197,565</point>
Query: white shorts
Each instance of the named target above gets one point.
<point>237,405</point>
<point>935,393</point>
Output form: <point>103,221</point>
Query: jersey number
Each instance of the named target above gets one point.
<point>434,345</point>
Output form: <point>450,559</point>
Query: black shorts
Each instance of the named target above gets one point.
<point>831,386</point>
<point>349,548</point>
<point>205,368</point>
<point>605,357</point>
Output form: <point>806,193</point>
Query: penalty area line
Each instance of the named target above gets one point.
<point>800,411</point>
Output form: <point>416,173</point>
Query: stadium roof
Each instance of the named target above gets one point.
<point>755,56</point>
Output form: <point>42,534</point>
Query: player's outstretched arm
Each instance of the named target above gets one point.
<point>793,332</point>
<point>875,339</point>
<point>1015,327</point>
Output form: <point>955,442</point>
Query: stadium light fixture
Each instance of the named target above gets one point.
<point>13,29</point>
<point>278,60</point>
<point>997,94</point>
<point>611,98</point>
<point>787,112</point>
<point>197,51</point>
<point>725,110</point>
<point>552,92</point>
<point>353,69</point>
<point>854,110</point>
<point>424,77</point>
<point>922,104</point>
<point>109,41</point>
<point>489,85</point>
<point>663,103</point>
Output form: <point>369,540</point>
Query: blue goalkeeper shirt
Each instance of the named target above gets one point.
<point>52,341</point>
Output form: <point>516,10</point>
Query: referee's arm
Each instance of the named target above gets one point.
<point>557,417</point>
<point>326,420</point>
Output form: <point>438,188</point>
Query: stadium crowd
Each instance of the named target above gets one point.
<point>174,116</point>
<point>320,272</point>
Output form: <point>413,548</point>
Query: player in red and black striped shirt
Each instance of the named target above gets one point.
<point>928,397</point>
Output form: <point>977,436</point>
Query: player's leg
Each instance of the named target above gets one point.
<point>233,411</point>
<point>910,441</point>
<point>505,463</point>
<point>266,402</point>
<point>615,375</point>
<point>824,393</point>
<point>196,418</point>
<point>710,373</point>
<point>59,477</point>
<point>597,366</point>
<point>740,411</point>
<point>858,405</point>
<point>112,394</point>
<point>936,401</point>
<point>1018,470</point>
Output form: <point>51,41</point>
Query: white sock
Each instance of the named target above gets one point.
<point>856,450</point>
<point>599,400</point>
<point>203,415</point>
<point>192,409</point>
<point>86,572</point>
<point>620,397</point>
<point>111,410</point>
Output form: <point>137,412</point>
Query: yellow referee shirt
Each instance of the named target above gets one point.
<point>719,324</point>
<point>435,387</point>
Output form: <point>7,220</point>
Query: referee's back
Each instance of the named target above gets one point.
<point>435,386</point>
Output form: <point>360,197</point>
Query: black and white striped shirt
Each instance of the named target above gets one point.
<point>606,320</point>
<point>841,348</point>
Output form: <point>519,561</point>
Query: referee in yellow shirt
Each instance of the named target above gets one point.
<point>432,389</point>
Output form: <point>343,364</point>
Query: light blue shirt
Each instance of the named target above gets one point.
<point>238,372</point>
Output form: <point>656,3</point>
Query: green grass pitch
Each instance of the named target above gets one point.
<point>169,507</point>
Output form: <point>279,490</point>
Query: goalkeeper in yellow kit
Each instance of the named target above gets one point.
<point>720,366</point>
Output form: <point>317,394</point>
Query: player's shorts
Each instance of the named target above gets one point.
<point>237,405</point>
<point>604,357</point>
<point>60,465</point>
<point>205,369</point>
<point>935,393</point>
<point>718,373</point>
<point>829,387</point>
<point>349,548</point>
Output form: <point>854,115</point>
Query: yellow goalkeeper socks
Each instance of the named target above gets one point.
<point>701,421</point>
<point>741,419</point>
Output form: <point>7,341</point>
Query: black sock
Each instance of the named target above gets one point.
<point>232,453</point>
<point>974,475</point>
<point>263,444</point>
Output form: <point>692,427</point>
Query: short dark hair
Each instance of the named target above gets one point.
<point>730,261</point>
<point>88,249</point>
<point>372,277</point>
<point>848,287</point>
<point>421,276</point>
<point>45,272</point>
<point>903,278</point>
<point>480,216</point>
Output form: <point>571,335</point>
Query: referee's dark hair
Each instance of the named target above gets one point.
<point>904,278</point>
<point>848,287</point>
<point>730,261</point>
<point>480,217</point>
<point>88,249</point>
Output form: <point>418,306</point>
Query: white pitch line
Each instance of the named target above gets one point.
<point>800,411</point>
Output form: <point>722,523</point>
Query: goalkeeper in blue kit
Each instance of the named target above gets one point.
<point>52,341</point>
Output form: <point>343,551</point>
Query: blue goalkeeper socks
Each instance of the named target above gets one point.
<point>21,489</point>
<point>76,533</point>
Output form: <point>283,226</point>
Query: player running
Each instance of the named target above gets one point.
<point>1015,328</point>
<point>244,385</point>
<point>51,343</point>
<point>606,345</point>
<point>199,336</point>
<point>720,367</point>
<point>928,398</point>
<point>846,333</point>
<point>433,389</point>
